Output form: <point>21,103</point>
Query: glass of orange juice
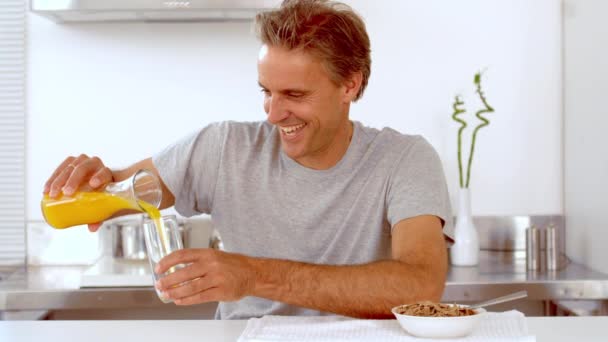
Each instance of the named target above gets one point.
<point>163,236</point>
<point>139,193</point>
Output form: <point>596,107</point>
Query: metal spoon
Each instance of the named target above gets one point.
<point>502,299</point>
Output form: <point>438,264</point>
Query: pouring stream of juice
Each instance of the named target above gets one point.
<point>160,228</point>
<point>158,222</point>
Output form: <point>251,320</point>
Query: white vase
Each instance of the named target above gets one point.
<point>465,250</point>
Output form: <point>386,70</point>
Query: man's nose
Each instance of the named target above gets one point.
<point>276,110</point>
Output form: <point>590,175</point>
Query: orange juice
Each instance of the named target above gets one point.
<point>82,208</point>
<point>85,207</point>
<point>93,207</point>
<point>158,222</point>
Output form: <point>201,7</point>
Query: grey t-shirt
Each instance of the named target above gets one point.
<point>264,204</point>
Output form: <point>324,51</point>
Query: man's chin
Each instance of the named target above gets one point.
<point>292,153</point>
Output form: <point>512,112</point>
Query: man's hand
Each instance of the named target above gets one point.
<point>76,172</point>
<point>209,276</point>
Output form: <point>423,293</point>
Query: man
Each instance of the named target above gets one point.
<point>318,214</point>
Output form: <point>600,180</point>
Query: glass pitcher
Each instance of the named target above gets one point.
<point>140,193</point>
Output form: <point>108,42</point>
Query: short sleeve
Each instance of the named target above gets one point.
<point>189,168</point>
<point>418,186</point>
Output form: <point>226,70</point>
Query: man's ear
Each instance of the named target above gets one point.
<point>352,86</point>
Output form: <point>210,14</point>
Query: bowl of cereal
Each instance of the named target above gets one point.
<point>437,320</point>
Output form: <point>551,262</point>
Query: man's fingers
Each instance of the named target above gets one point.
<point>59,182</point>
<point>62,174</point>
<point>182,256</point>
<point>181,275</point>
<point>80,173</point>
<point>101,178</point>
<point>80,159</point>
<point>189,288</point>
<point>211,295</point>
<point>56,173</point>
<point>93,227</point>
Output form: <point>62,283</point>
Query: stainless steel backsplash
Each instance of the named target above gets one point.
<point>508,233</point>
<point>506,236</point>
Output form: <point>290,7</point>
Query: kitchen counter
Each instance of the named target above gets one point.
<point>58,288</point>
<point>554,329</point>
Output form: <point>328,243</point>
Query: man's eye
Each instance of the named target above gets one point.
<point>265,91</point>
<point>295,95</point>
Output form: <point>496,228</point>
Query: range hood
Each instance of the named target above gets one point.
<point>150,10</point>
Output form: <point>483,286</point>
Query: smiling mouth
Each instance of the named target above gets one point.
<point>292,130</point>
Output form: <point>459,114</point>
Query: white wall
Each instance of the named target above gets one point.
<point>123,91</point>
<point>586,119</point>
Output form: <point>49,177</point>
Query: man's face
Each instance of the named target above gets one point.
<point>309,110</point>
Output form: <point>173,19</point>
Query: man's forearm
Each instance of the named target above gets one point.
<point>365,291</point>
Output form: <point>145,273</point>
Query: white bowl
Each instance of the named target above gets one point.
<point>439,327</point>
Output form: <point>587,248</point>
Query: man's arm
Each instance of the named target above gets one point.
<point>416,272</point>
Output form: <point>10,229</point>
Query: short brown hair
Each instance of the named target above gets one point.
<point>329,30</point>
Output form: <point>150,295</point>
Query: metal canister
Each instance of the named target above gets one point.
<point>128,237</point>
<point>551,248</point>
<point>533,256</point>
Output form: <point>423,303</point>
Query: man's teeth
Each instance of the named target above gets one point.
<point>292,129</point>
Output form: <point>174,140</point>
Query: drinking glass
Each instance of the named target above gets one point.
<point>163,236</point>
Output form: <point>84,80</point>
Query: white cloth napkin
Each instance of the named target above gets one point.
<point>494,327</point>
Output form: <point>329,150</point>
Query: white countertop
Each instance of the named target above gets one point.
<point>550,329</point>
